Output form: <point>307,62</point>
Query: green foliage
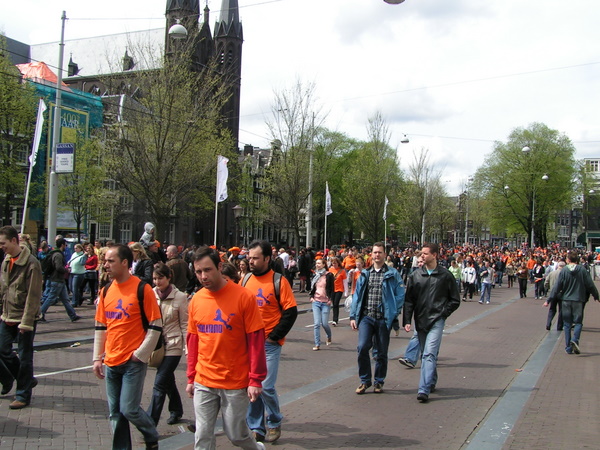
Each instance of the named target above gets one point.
<point>372,173</point>
<point>83,190</point>
<point>164,151</point>
<point>17,123</point>
<point>511,180</point>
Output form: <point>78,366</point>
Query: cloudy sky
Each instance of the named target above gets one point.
<point>454,75</point>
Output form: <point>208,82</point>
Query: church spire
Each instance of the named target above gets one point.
<point>229,20</point>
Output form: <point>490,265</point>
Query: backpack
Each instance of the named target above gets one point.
<point>140,296</point>
<point>276,284</point>
<point>46,263</point>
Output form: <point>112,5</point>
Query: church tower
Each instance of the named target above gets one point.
<point>188,13</point>
<point>228,37</point>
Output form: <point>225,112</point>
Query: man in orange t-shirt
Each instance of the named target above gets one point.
<point>122,343</point>
<point>226,354</point>
<point>279,317</point>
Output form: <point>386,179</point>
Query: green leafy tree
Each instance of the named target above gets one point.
<point>525,188</point>
<point>17,123</point>
<point>372,173</point>
<point>163,150</point>
<point>294,124</point>
<point>83,190</point>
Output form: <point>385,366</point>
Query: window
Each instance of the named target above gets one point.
<point>171,232</point>
<point>17,216</point>
<point>593,165</point>
<point>126,202</point>
<point>22,154</point>
<point>125,232</point>
<point>104,230</point>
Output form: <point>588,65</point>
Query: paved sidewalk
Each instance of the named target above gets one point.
<point>490,355</point>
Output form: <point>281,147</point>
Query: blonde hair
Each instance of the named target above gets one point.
<point>137,247</point>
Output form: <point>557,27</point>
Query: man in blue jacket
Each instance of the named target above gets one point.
<point>431,296</point>
<point>377,301</point>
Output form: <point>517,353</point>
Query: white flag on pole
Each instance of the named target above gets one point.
<point>39,126</point>
<point>385,208</point>
<point>328,209</point>
<point>222,175</point>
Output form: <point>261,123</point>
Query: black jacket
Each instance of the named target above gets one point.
<point>430,297</point>
<point>143,270</point>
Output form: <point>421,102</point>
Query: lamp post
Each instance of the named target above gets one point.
<point>53,179</point>
<point>469,181</point>
<point>545,177</point>
<point>238,211</point>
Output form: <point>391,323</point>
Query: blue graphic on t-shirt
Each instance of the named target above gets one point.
<point>212,328</point>
<point>261,299</point>
<point>120,311</point>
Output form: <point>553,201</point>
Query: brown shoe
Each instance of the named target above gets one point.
<point>273,434</point>
<point>361,389</point>
<point>18,404</point>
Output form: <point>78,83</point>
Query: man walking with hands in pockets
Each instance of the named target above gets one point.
<point>431,296</point>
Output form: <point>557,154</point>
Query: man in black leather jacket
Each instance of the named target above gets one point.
<point>431,296</point>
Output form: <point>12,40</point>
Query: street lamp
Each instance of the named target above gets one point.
<point>544,177</point>
<point>178,31</point>
<point>238,211</point>
<point>469,181</point>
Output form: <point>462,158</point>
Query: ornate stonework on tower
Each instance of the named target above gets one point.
<point>229,37</point>
<point>225,44</point>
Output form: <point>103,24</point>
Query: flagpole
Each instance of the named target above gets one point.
<point>385,234</point>
<point>32,158</point>
<point>221,191</point>
<point>216,212</point>
<point>325,238</point>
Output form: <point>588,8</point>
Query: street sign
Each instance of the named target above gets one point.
<point>65,158</point>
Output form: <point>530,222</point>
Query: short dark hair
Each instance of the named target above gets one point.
<point>573,257</point>
<point>205,251</point>
<point>379,244</point>
<point>433,248</point>
<point>265,247</point>
<point>60,242</point>
<point>10,232</point>
<point>161,269</point>
<point>124,253</point>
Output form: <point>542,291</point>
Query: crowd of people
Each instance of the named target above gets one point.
<point>228,311</point>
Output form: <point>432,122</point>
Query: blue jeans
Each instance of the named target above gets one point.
<point>572,314</point>
<point>413,350</point>
<point>486,290</point>
<point>321,319</point>
<point>13,367</point>
<point>57,290</point>
<point>267,402</point>
<point>164,385</point>
<point>124,386</point>
<point>372,332</point>
<point>76,287</point>
<point>499,275</point>
<point>430,346</point>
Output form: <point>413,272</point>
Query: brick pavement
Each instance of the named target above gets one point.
<point>478,361</point>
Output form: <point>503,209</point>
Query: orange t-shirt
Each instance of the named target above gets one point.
<point>349,262</point>
<point>264,291</point>
<point>355,276</point>
<point>120,312</point>
<point>339,276</point>
<point>221,320</point>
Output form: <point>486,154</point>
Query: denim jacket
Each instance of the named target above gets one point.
<point>392,296</point>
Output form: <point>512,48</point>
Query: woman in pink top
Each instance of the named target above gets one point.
<point>321,294</point>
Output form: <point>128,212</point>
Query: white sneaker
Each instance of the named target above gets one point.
<point>260,445</point>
